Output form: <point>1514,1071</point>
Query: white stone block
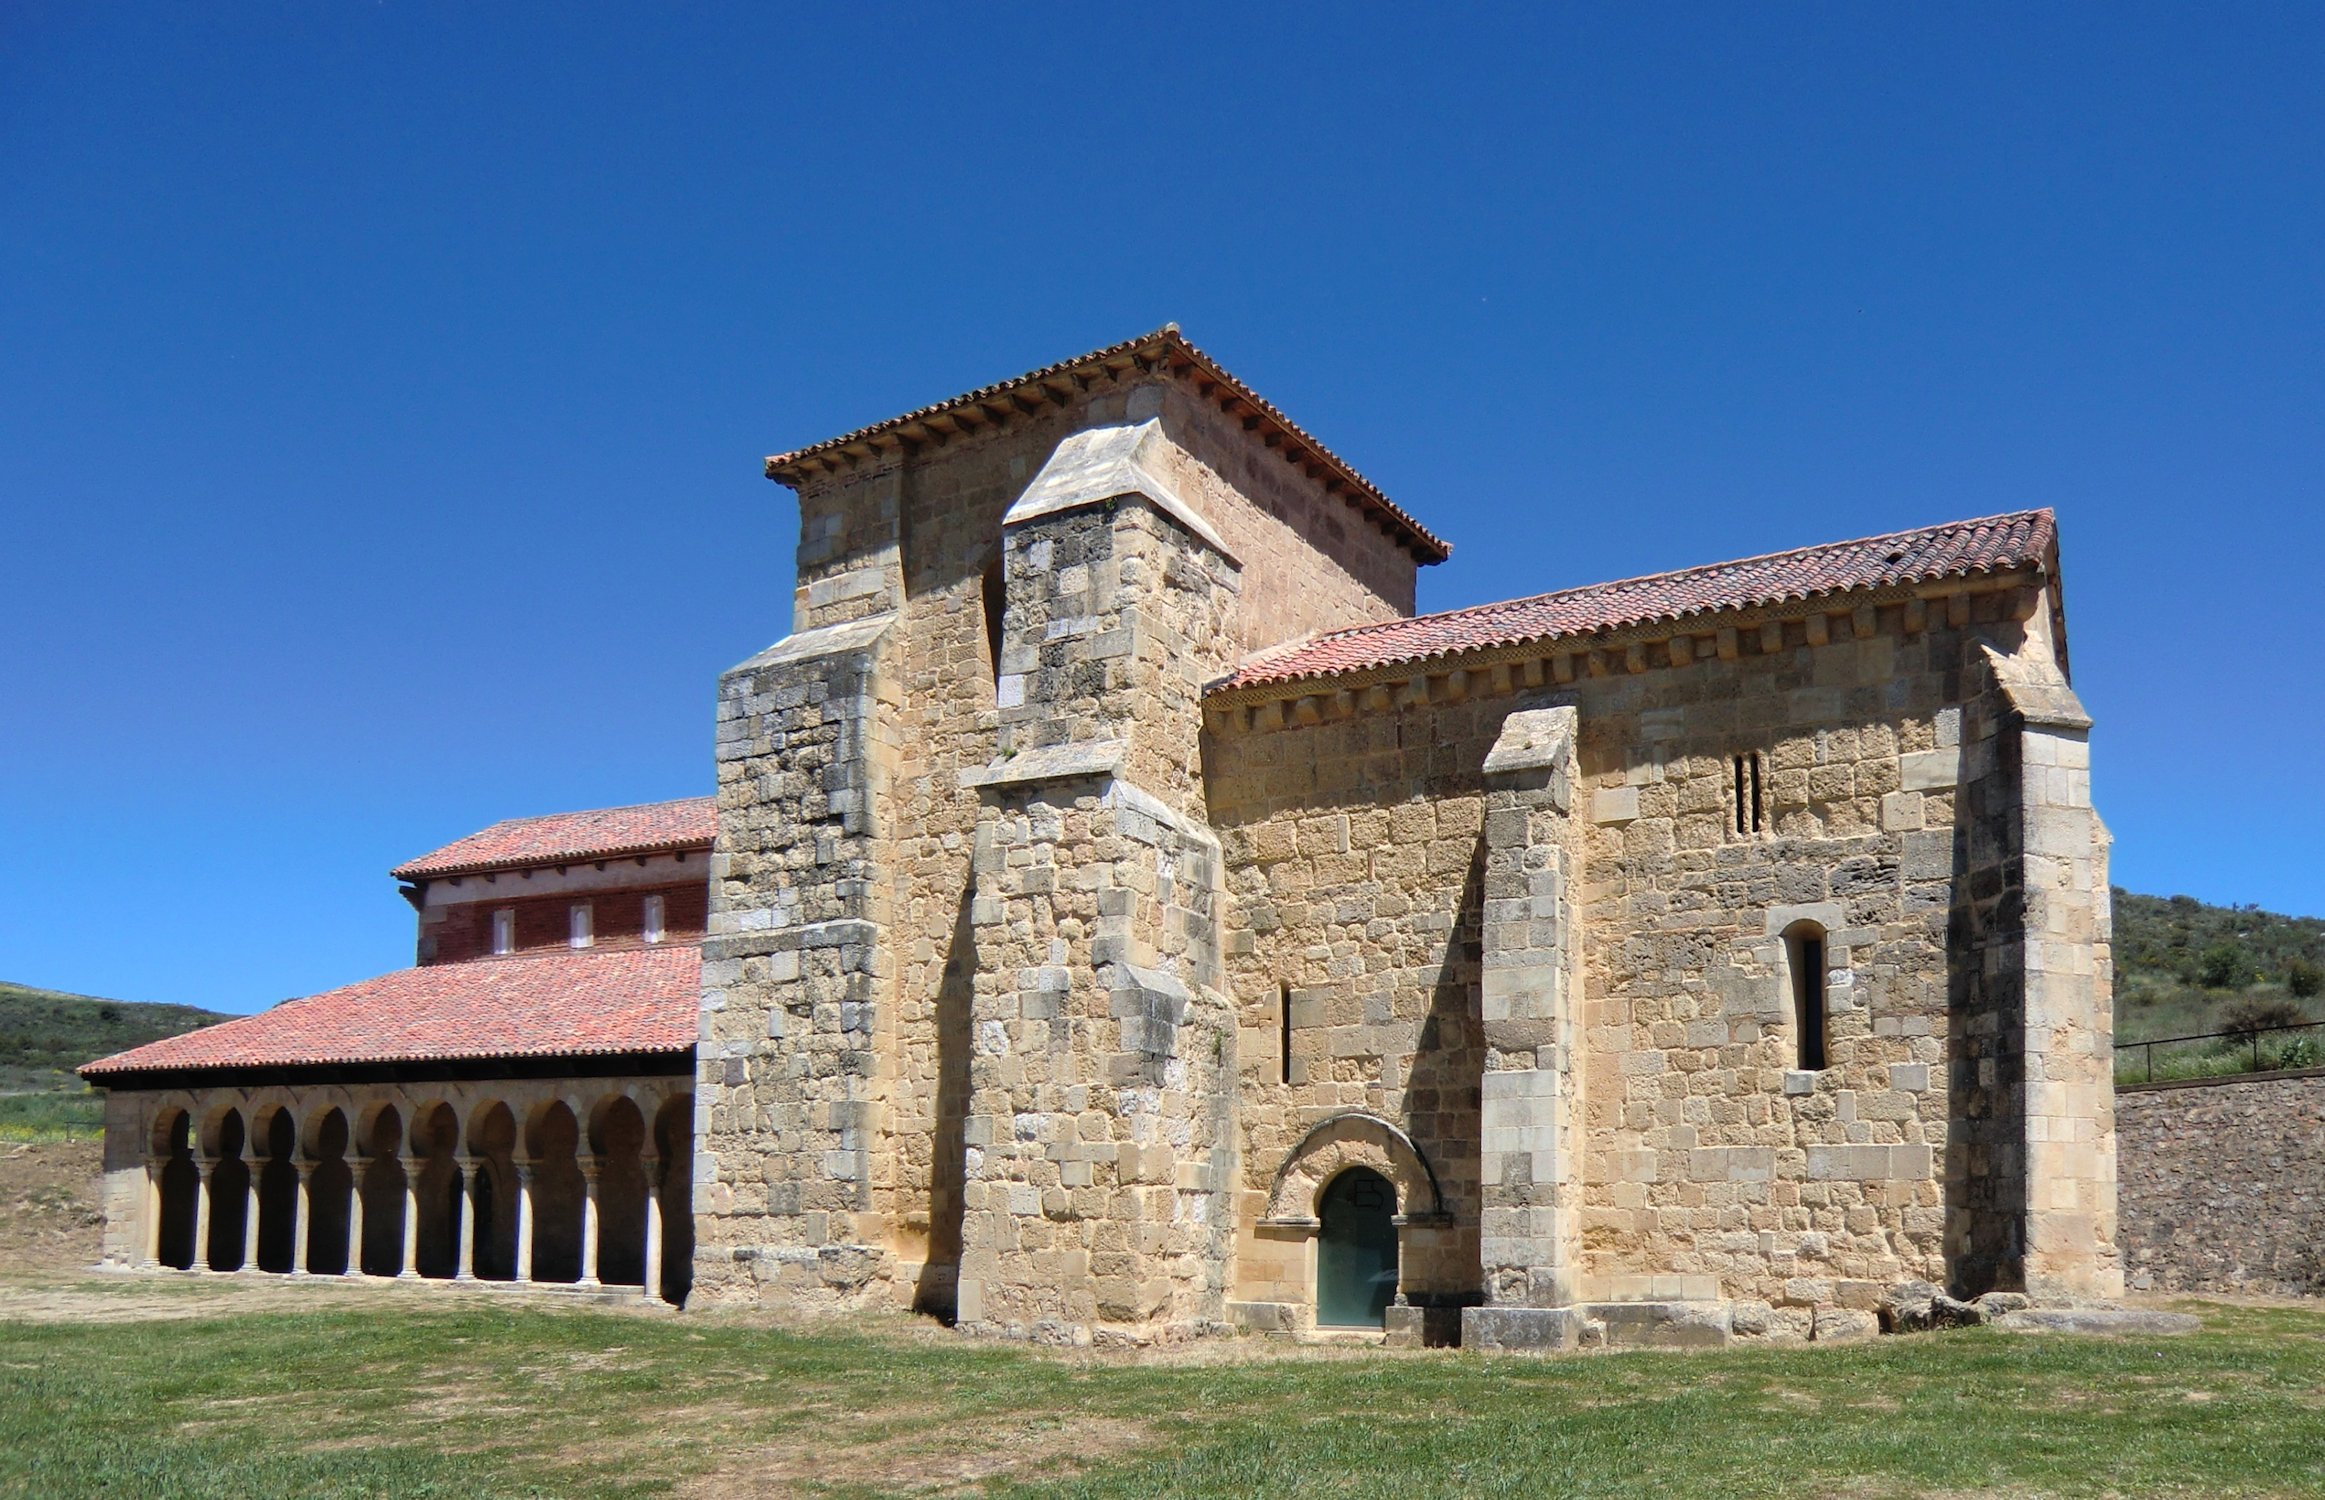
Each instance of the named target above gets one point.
<point>1930,770</point>
<point>1615,805</point>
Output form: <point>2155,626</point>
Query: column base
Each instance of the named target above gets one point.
<point>1521,1330</point>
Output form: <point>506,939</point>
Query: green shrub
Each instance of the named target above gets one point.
<point>2223,967</point>
<point>2248,1016</point>
<point>2304,978</point>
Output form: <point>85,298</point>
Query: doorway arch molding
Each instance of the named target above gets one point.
<point>1353,1138</point>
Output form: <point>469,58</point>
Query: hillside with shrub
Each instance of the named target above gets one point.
<point>2184,967</point>
<point>45,1034</point>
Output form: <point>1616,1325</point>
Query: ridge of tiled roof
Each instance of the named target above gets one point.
<point>593,1002</point>
<point>1168,346</point>
<point>1989,544</point>
<point>563,838</point>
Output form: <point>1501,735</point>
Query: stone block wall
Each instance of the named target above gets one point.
<point>2223,1186</point>
<point>913,536</point>
<point>1359,857</point>
<point>794,1162</point>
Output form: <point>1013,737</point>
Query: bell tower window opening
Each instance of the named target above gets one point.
<point>1749,800</point>
<point>584,928</point>
<point>1804,956</point>
<point>504,931</point>
<point>996,600</point>
<point>1284,1032</point>
<point>656,921</point>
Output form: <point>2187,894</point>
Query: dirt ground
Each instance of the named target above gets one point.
<point>50,1213</point>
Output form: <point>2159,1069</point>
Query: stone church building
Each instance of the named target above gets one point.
<point>1122,919</point>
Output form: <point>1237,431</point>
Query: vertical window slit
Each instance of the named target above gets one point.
<point>1755,791</point>
<point>996,600</point>
<point>1284,1031</point>
<point>1804,956</point>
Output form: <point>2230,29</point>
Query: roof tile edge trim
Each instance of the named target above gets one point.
<point>788,468</point>
<point>1279,670</point>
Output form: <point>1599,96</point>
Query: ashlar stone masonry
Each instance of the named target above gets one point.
<point>1130,921</point>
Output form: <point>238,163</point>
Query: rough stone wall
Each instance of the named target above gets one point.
<point>2223,1186</point>
<point>1311,561</point>
<point>797,1046</point>
<point>910,537</point>
<point>1530,1118</point>
<point>2031,1168</point>
<point>1715,1168</point>
<point>1099,1109</point>
<point>1098,1118</point>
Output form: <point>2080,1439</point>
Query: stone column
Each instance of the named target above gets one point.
<point>524,1266</point>
<point>204,1182</point>
<point>302,1216</point>
<point>409,1268</point>
<point>1530,1097</point>
<point>589,1170</point>
<point>153,1169</point>
<point>356,1167</point>
<point>651,1283</point>
<point>250,1219</point>
<point>464,1173</point>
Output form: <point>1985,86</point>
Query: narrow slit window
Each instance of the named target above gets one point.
<point>584,931</point>
<point>1804,955</point>
<point>655,924</point>
<point>996,601</point>
<point>504,931</point>
<point>1749,802</point>
<point>1284,1031</point>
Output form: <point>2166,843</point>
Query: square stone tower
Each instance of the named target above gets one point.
<point>966,1043</point>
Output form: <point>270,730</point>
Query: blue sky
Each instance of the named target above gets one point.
<point>383,388</point>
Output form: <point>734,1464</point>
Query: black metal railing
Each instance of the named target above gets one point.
<point>2224,1054</point>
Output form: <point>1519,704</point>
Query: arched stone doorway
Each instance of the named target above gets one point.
<point>229,1195</point>
<point>674,1143</point>
<point>380,1179</point>
<point>330,1194</point>
<point>275,1139</point>
<point>492,1192</point>
<point>552,1139</point>
<point>1356,1250</point>
<point>181,1185</point>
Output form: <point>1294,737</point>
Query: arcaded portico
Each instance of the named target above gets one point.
<point>580,1182</point>
<point>518,1108</point>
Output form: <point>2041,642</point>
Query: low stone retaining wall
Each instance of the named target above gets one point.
<point>2222,1184</point>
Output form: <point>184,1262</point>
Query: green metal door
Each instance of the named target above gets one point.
<point>1356,1250</point>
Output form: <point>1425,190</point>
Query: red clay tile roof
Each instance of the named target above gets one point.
<point>551,1005</point>
<point>1168,346</point>
<point>1991,545</point>
<point>559,838</point>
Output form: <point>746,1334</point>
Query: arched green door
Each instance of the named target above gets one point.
<point>1356,1250</point>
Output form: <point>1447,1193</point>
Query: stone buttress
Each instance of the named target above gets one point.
<point>2033,1175</point>
<point>1099,1138</point>
<point>1531,1093</point>
<point>796,1052</point>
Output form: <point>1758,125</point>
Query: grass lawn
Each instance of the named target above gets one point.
<point>331,1393</point>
